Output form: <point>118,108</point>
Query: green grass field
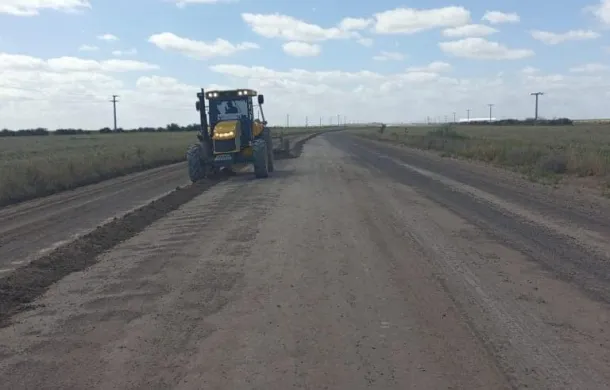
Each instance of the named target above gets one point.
<point>538,151</point>
<point>35,166</point>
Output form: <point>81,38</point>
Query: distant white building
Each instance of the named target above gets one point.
<point>462,120</point>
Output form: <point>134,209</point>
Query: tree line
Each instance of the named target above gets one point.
<point>172,127</point>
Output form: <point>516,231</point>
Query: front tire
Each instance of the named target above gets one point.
<point>261,159</point>
<point>196,163</point>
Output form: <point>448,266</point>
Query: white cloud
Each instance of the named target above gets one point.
<point>469,30</point>
<point>551,38</point>
<point>601,11</point>
<point>88,48</point>
<point>63,91</point>
<point>108,37</point>
<point>301,49</point>
<point>348,24</point>
<point>19,62</point>
<point>389,56</point>
<point>121,53</point>
<point>425,91</point>
<point>78,98</point>
<point>434,67</point>
<point>479,48</point>
<point>292,29</point>
<point>497,17</point>
<point>198,49</point>
<point>411,20</point>
<point>590,68</point>
<point>33,7</point>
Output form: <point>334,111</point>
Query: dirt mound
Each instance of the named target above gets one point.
<point>25,284</point>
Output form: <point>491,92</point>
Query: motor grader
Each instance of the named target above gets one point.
<point>230,135</point>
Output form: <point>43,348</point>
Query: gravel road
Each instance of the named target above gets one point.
<point>358,265</point>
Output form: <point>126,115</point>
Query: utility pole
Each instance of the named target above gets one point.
<point>306,121</point>
<point>114,102</point>
<point>490,108</point>
<point>454,121</point>
<point>287,120</point>
<point>338,120</point>
<point>320,121</point>
<point>536,111</point>
<point>468,114</point>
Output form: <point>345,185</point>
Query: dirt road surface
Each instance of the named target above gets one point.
<point>356,266</point>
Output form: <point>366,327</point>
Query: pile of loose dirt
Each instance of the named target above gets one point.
<point>27,283</point>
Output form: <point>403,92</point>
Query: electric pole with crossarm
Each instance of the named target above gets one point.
<point>536,110</point>
<point>114,102</point>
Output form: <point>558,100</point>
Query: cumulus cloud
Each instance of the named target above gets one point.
<point>497,17</point>
<point>33,7</point>
<point>411,20</point>
<point>551,38</point>
<point>301,49</point>
<point>480,48</point>
<point>80,99</point>
<point>292,29</point>
<point>198,49</point>
<point>469,30</point>
<point>348,24</point>
<point>71,64</point>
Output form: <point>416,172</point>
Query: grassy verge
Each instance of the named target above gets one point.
<point>31,167</point>
<point>545,154</point>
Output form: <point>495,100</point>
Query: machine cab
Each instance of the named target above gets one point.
<point>231,124</point>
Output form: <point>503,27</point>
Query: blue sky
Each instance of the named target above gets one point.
<point>572,37</point>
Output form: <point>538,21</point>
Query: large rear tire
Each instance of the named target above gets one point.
<point>261,159</point>
<point>195,158</point>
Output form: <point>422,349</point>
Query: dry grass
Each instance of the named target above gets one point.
<point>36,166</point>
<point>540,152</point>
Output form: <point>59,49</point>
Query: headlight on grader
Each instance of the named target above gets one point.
<point>229,135</point>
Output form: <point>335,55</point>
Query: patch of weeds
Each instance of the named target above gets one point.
<point>448,132</point>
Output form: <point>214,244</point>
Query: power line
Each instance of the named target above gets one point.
<point>114,102</point>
